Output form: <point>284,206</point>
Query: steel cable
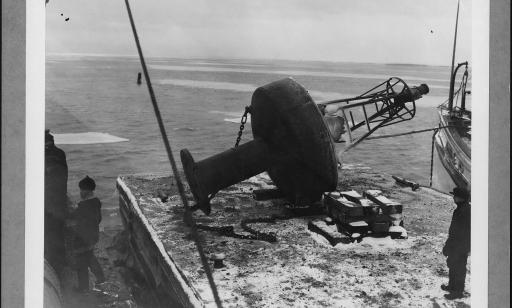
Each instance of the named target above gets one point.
<point>411,132</point>
<point>188,215</point>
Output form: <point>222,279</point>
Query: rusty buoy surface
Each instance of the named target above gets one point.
<point>291,142</point>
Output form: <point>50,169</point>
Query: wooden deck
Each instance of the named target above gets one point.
<point>301,269</point>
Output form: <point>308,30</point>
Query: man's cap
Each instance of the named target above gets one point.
<point>461,192</point>
<point>87,183</point>
<point>48,136</point>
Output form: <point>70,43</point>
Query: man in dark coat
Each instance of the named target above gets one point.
<point>87,217</point>
<point>457,246</point>
<point>55,203</point>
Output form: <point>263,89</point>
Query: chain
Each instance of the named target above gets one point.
<point>242,125</point>
<point>270,237</point>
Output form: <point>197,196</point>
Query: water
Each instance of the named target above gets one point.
<point>99,94</point>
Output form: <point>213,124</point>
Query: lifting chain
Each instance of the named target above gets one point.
<point>270,237</point>
<point>242,125</point>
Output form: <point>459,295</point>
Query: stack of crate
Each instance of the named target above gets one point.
<point>371,212</point>
<point>347,211</point>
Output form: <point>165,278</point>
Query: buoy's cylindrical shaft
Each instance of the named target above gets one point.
<point>208,176</point>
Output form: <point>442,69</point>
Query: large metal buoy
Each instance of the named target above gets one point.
<point>291,142</point>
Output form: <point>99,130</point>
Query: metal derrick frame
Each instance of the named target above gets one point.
<point>386,112</point>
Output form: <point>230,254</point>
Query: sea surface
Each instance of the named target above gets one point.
<point>200,99</point>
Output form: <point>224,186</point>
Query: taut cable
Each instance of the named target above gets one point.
<point>412,132</point>
<point>188,215</point>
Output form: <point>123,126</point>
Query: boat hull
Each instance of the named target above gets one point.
<point>52,295</point>
<point>441,178</point>
<point>452,160</point>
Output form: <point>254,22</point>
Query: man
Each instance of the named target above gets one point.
<point>457,246</point>
<point>55,203</point>
<point>87,217</point>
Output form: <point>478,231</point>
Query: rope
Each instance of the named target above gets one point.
<point>432,156</point>
<point>435,129</point>
<point>188,215</point>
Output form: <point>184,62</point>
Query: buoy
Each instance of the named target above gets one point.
<point>291,142</point>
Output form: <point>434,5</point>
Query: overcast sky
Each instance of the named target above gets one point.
<point>391,31</point>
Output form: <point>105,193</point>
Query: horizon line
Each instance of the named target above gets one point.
<point>234,58</point>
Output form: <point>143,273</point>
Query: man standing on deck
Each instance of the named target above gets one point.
<point>87,218</point>
<point>457,246</point>
<point>55,203</point>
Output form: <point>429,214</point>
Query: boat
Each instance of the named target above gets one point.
<point>451,157</point>
<point>452,147</point>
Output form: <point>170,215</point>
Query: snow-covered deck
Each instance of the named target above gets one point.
<point>301,269</point>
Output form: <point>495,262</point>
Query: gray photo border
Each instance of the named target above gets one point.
<point>499,155</point>
<point>13,153</point>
